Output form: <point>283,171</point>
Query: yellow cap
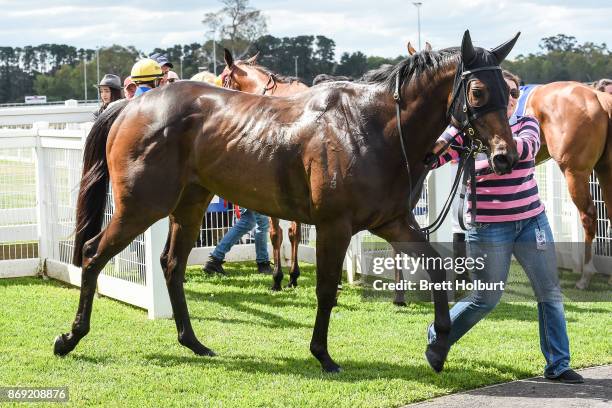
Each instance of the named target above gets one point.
<point>146,70</point>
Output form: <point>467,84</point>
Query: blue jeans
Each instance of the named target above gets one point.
<point>248,220</point>
<point>499,241</point>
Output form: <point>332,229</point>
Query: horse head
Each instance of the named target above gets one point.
<point>479,101</point>
<point>244,75</point>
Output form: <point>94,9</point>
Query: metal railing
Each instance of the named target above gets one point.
<point>40,170</point>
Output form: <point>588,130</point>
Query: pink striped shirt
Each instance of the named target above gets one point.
<point>510,197</point>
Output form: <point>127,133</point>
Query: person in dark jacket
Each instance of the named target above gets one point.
<point>109,89</point>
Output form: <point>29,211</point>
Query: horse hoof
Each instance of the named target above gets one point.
<point>291,285</point>
<point>205,351</point>
<point>436,356</point>
<point>60,346</point>
<point>581,284</point>
<point>331,368</point>
<point>276,288</point>
<point>202,350</point>
<point>400,304</point>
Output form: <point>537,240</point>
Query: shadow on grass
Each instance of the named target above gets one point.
<point>353,370</point>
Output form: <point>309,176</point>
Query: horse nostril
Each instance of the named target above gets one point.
<point>501,162</point>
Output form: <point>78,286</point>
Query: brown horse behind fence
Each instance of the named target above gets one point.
<point>330,156</point>
<point>247,76</point>
<point>576,123</point>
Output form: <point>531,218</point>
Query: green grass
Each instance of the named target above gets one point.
<point>262,343</point>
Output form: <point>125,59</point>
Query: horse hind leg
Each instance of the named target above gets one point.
<point>332,241</point>
<point>276,238</point>
<point>295,236</point>
<point>603,169</point>
<point>578,185</point>
<point>185,223</point>
<point>121,230</point>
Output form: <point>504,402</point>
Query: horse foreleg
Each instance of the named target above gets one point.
<point>332,242</point>
<point>400,294</point>
<point>184,228</point>
<point>120,231</point>
<point>403,234</point>
<point>295,235</point>
<point>276,238</point>
<point>578,186</point>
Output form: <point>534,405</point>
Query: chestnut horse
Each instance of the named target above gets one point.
<point>247,76</point>
<point>576,124</point>
<point>330,156</point>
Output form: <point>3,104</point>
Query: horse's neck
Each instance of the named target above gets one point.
<point>428,100</point>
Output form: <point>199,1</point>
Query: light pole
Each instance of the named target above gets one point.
<point>98,68</point>
<point>181,66</point>
<point>85,75</point>
<point>295,58</point>
<point>213,31</point>
<point>214,54</point>
<point>418,5</point>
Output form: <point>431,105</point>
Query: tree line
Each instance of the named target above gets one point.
<point>58,70</point>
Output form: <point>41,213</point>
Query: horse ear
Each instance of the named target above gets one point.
<point>411,50</point>
<point>253,59</point>
<point>227,56</point>
<point>467,49</point>
<point>428,46</point>
<point>502,51</point>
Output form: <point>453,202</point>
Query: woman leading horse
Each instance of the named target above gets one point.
<point>325,157</point>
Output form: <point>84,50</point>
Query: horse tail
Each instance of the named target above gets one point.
<point>94,181</point>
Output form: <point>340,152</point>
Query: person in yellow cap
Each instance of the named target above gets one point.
<point>146,73</point>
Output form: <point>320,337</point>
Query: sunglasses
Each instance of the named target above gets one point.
<point>515,93</point>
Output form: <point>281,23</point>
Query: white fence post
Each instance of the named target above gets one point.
<point>350,259</point>
<point>159,301</point>
<point>41,198</point>
<point>285,250</point>
<point>440,183</point>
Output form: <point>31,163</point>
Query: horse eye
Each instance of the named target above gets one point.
<point>477,93</point>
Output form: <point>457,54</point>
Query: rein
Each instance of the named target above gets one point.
<point>467,158</point>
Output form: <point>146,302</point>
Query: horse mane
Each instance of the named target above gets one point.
<point>424,62</point>
<point>278,77</point>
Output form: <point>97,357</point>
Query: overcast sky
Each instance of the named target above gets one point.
<point>376,27</point>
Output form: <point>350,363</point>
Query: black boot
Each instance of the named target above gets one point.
<point>214,265</point>
<point>264,267</point>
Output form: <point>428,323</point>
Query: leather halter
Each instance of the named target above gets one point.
<point>469,155</point>
<point>268,87</point>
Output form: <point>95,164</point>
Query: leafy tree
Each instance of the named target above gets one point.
<point>353,65</point>
<point>238,26</point>
<point>562,59</point>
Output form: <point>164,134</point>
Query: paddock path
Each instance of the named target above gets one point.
<point>535,392</point>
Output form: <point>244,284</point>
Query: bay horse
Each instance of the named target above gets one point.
<point>576,132</point>
<point>247,76</point>
<point>330,156</point>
